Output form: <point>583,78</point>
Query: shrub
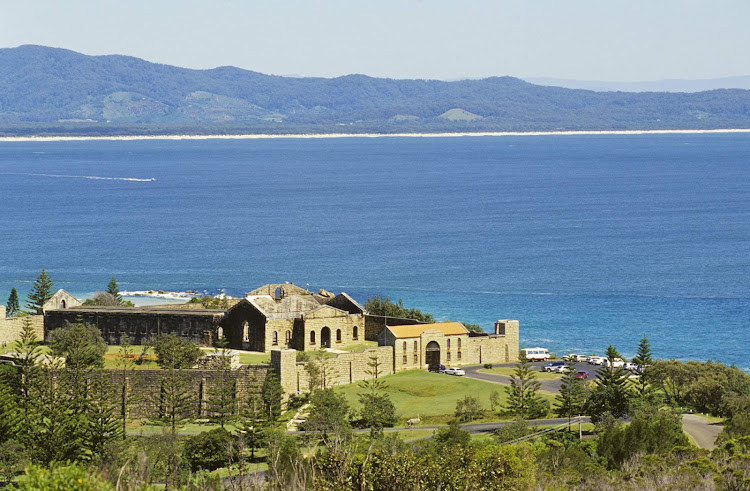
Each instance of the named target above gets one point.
<point>208,450</point>
<point>488,365</point>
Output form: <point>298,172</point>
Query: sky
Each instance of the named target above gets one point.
<point>632,40</point>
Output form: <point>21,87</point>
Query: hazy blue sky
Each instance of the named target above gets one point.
<point>588,39</point>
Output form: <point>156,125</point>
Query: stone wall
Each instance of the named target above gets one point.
<point>145,386</point>
<point>345,368</point>
<point>10,329</point>
<point>501,347</point>
<point>141,325</point>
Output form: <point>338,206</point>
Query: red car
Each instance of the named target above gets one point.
<point>582,375</point>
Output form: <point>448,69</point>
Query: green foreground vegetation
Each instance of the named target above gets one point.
<point>66,426</point>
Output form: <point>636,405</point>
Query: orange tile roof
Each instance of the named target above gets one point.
<point>416,330</point>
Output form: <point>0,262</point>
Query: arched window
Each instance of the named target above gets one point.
<point>62,302</point>
<point>354,333</point>
<point>448,343</point>
<point>312,337</point>
<point>245,332</point>
<point>404,346</point>
<point>275,338</point>
<point>288,338</point>
<point>459,342</point>
<point>416,346</point>
<point>338,335</point>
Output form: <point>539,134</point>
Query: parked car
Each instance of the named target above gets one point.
<point>563,369</point>
<point>455,371</point>
<point>596,360</point>
<point>582,375</point>
<point>633,367</point>
<point>551,366</point>
<point>616,363</point>
<point>582,358</point>
<point>571,356</point>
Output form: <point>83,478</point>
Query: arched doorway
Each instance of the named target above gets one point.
<point>325,337</point>
<point>432,356</point>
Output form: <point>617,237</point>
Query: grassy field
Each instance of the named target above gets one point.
<point>432,396</point>
<point>357,348</point>
<point>511,371</point>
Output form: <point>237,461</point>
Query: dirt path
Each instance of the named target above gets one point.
<point>702,431</point>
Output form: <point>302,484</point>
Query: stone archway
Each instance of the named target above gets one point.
<point>432,356</point>
<point>325,337</point>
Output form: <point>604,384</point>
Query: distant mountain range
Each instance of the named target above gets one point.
<point>666,85</point>
<point>55,91</point>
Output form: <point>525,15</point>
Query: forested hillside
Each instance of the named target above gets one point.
<point>55,91</point>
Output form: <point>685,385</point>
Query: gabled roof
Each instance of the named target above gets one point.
<point>416,330</point>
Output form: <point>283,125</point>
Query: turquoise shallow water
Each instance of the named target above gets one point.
<point>587,240</point>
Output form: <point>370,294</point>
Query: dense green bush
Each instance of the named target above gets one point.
<point>209,450</point>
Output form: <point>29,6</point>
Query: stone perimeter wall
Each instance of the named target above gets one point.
<point>10,329</point>
<point>144,387</point>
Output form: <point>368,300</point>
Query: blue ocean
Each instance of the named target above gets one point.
<point>587,240</point>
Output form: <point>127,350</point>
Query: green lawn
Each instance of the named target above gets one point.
<point>359,347</point>
<point>146,429</point>
<point>254,358</point>
<point>432,396</point>
<point>511,371</point>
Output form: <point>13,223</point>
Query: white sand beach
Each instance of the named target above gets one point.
<point>360,135</point>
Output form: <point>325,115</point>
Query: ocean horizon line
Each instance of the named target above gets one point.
<point>261,136</point>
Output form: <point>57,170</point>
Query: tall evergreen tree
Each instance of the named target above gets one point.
<point>377,408</point>
<point>113,290</point>
<point>221,394</point>
<point>12,307</point>
<point>524,400</point>
<point>256,423</point>
<point>103,422</point>
<point>271,394</point>
<point>40,292</point>
<point>175,397</point>
<point>612,393</point>
<point>644,359</point>
<point>125,365</point>
<point>27,375</point>
<point>572,396</point>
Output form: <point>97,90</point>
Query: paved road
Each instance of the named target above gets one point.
<point>702,431</point>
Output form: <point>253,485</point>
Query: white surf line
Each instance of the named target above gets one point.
<point>98,178</point>
<point>262,136</point>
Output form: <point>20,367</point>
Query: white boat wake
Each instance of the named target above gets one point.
<point>99,178</point>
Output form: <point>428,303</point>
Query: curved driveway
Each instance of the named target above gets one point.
<point>702,431</point>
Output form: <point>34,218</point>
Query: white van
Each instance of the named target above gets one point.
<point>536,354</point>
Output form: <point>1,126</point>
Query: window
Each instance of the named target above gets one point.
<point>416,358</point>
<point>404,360</point>
<point>448,344</point>
<point>312,337</point>
<point>404,347</point>
<point>500,328</point>
<point>288,337</point>
<point>338,335</point>
<point>275,338</point>
<point>354,333</point>
<point>245,332</point>
<point>459,343</point>
<point>458,355</point>
<point>416,346</point>
<point>448,356</point>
